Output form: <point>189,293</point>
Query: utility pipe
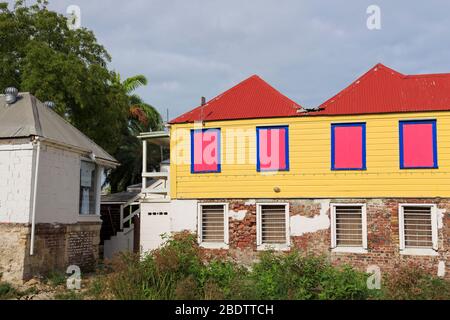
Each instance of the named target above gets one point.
<point>33,212</point>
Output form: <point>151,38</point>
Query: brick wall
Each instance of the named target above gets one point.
<point>310,232</point>
<point>56,247</point>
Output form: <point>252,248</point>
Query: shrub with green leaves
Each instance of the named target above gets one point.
<point>411,282</point>
<point>178,271</point>
<point>293,276</point>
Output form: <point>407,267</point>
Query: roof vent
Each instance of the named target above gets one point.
<point>203,101</point>
<point>50,105</point>
<point>11,95</point>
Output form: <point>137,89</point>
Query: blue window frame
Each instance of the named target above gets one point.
<point>333,145</point>
<point>286,151</point>
<point>402,124</point>
<point>219,165</point>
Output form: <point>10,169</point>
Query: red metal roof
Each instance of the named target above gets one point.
<point>384,90</point>
<point>252,98</point>
<point>380,90</point>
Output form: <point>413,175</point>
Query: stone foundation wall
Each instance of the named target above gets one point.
<point>13,243</point>
<point>310,232</point>
<point>56,247</point>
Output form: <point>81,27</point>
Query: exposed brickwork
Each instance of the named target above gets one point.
<point>382,233</point>
<point>56,247</point>
<point>83,241</point>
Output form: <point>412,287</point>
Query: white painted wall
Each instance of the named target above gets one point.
<point>16,167</point>
<point>58,197</point>
<point>301,225</point>
<point>182,215</point>
<point>58,186</point>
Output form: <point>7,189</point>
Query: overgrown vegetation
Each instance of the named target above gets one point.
<point>7,291</point>
<point>55,278</point>
<point>414,283</point>
<point>179,271</point>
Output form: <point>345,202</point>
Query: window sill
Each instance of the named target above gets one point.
<point>274,247</point>
<point>349,250</point>
<point>89,218</point>
<point>212,245</point>
<point>418,252</point>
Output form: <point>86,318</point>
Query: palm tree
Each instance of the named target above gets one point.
<point>142,117</point>
<point>138,109</point>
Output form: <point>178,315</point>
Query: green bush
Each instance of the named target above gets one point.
<point>414,283</point>
<point>179,271</point>
<point>293,276</point>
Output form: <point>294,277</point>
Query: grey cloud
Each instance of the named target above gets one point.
<point>309,50</point>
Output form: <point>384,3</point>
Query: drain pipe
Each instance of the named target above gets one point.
<point>33,213</point>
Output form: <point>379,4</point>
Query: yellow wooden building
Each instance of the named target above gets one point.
<point>362,178</point>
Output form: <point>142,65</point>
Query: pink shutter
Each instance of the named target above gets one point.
<point>206,151</point>
<point>418,145</point>
<point>348,147</point>
<point>272,149</point>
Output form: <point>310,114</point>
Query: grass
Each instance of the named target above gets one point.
<point>55,278</point>
<point>7,291</point>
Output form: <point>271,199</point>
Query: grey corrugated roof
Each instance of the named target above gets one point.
<point>30,117</point>
<point>120,197</point>
<point>125,196</point>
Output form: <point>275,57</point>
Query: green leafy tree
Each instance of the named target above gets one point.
<point>40,54</point>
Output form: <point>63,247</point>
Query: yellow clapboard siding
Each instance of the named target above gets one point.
<point>310,161</point>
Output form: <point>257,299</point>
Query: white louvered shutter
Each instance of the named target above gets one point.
<point>349,226</point>
<point>212,224</point>
<point>417,227</point>
<point>273,224</point>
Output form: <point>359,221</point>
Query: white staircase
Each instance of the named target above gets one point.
<point>123,241</point>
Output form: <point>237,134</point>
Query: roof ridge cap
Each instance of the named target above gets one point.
<point>35,111</point>
<point>279,93</point>
<point>352,86</point>
<point>254,76</point>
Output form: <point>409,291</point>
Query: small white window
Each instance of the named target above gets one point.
<point>418,229</point>
<point>273,226</point>
<point>213,225</point>
<point>88,188</point>
<point>349,227</point>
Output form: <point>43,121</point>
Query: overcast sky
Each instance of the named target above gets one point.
<point>309,50</point>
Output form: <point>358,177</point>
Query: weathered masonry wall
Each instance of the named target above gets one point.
<point>309,230</point>
<point>57,246</point>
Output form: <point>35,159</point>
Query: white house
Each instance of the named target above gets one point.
<point>49,190</point>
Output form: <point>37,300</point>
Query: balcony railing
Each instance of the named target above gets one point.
<point>160,188</point>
